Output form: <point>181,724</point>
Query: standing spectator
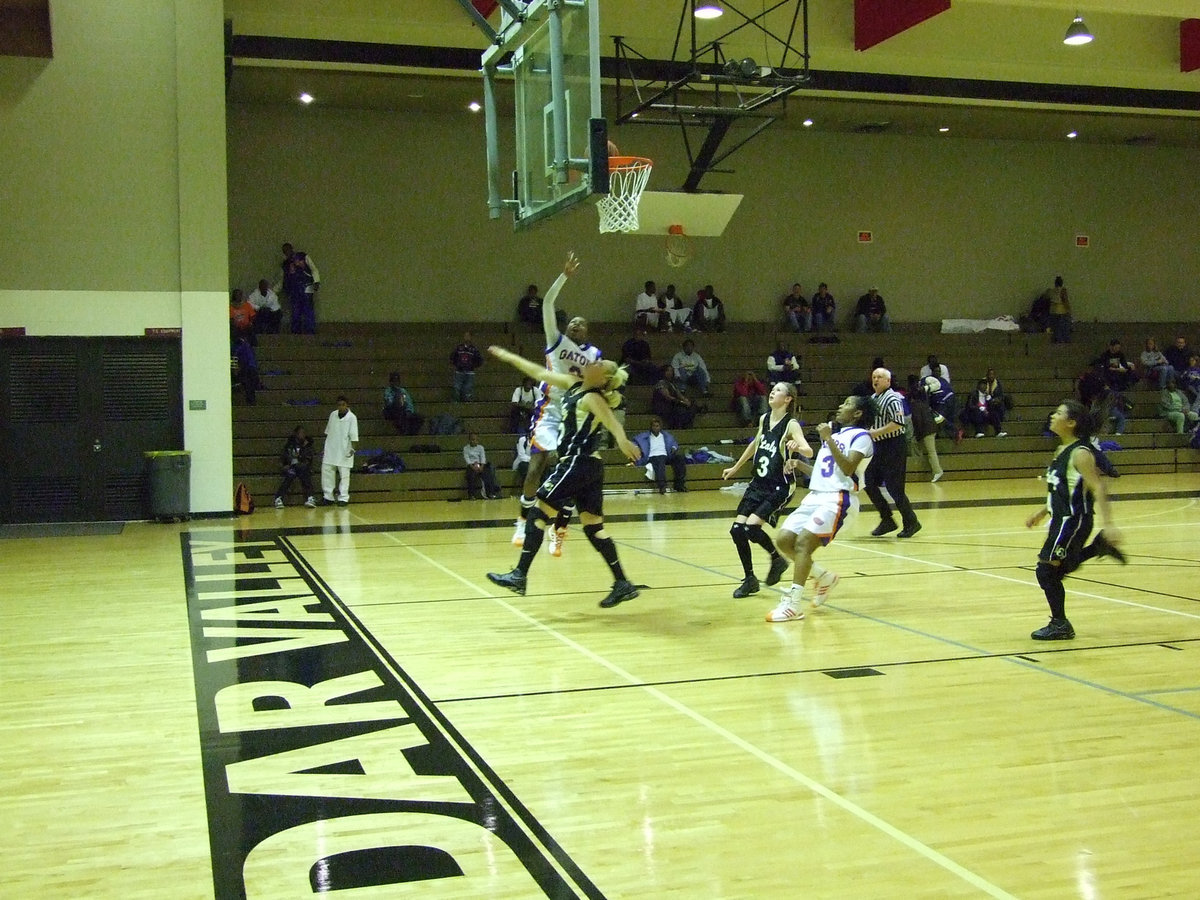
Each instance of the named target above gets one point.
<point>871,313</point>
<point>782,365</point>
<point>690,368</point>
<point>672,306</point>
<point>301,281</point>
<point>709,312</point>
<point>824,309</point>
<point>1155,364</point>
<point>529,307</point>
<point>246,368</point>
<point>660,449</point>
<point>796,309</point>
<point>1059,315</point>
<point>465,358</point>
<point>890,460</point>
<point>341,434</point>
<point>935,368</point>
<point>645,308</point>
<point>1118,372</point>
<point>399,409</point>
<point>296,457</point>
<point>1174,407</point>
<point>241,317</point>
<point>268,314</point>
<point>924,428</point>
<point>521,408</point>
<point>980,411</point>
<point>635,356</point>
<point>749,398</point>
<point>671,404</point>
<point>481,477</point>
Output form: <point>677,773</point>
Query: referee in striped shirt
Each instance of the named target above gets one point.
<point>890,463</point>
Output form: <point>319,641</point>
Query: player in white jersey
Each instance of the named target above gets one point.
<point>566,353</point>
<point>830,505</point>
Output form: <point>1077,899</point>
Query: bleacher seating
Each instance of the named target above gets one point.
<point>303,374</point>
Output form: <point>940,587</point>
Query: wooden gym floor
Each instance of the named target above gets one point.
<point>303,700</point>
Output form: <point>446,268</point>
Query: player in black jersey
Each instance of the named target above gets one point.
<point>1074,490</point>
<point>578,477</point>
<point>771,486</point>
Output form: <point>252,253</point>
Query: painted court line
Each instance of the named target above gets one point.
<point>816,787</point>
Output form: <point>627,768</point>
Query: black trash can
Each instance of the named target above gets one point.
<point>170,478</point>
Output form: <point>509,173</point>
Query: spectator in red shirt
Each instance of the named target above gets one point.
<point>749,398</point>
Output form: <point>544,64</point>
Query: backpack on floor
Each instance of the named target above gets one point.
<point>243,503</point>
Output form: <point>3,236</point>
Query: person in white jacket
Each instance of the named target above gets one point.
<point>341,434</point>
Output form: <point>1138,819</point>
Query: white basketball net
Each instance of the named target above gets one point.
<point>619,210</point>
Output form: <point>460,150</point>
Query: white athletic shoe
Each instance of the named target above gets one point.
<point>556,537</point>
<point>937,476</point>
<point>311,502</point>
<point>825,584</point>
<point>279,503</point>
<point>979,434</point>
<point>786,611</point>
<point>1002,434</point>
<point>518,537</point>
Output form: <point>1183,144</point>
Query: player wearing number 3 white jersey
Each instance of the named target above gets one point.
<point>831,504</point>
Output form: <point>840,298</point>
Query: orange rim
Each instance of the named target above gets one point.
<point>629,163</point>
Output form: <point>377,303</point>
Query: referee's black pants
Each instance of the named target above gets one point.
<point>887,469</point>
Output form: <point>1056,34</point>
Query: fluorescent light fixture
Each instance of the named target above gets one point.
<point>708,10</point>
<point>1072,134</point>
<point>305,97</point>
<point>474,106</point>
<point>1077,33</point>
<point>944,129</point>
<point>807,123</point>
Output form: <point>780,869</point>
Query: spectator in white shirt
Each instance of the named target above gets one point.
<point>645,310</point>
<point>268,312</point>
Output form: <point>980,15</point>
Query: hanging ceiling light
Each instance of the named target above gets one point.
<point>1077,33</point>
<point>707,10</point>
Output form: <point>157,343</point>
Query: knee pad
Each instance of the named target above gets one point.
<point>535,516</point>
<point>737,530</point>
<point>754,532</point>
<point>590,531</point>
<point>1048,576</point>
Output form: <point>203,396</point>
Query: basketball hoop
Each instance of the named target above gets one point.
<point>679,248</point>
<point>627,177</point>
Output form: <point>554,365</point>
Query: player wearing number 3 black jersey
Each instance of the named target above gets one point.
<point>771,486</point>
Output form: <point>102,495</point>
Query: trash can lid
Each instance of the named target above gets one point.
<point>149,454</point>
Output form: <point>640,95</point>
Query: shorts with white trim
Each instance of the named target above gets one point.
<point>823,513</point>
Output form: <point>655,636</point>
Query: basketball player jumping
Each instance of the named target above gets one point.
<point>565,353</point>
<point>588,400</point>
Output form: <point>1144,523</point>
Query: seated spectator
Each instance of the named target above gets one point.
<point>1094,393</point>
<point>1155,365</point>
<point>782,365</point>
<point>1174,408</point>
<point>871,313</point>
<point>646,309</point>
<point>996,389</point>
<point>245,368</point>
<point>709,312</point>
<point>981,410</point>
<point>521,459</point>
<point>935,368</point>
<point>660,449</point>
<point>690,368</point>
<point>924,428</point>
<point>481,477</point>
<point>635,356</point>
<point>1118,372</point>
<point>268,314</point>
<point>1189,380</point>
<point>749,398</point>
<point>671,404</point>
<point>679,316</point>
<point>1178,354</point>
<point>796,310</point>
<point>824,309</point>
<point>399,409</point>
<point>296,458</point>
<point>241,317</point>
<point>520,408</point>
<point>1039,314</point>
<point>529,307</point>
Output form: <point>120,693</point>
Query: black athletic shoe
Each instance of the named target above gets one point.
<point>514,580</point>
<point>778,567</point>
<point>621,591</point>
<point>1055,630</point>
<point>1104,548</point>
<point>746,588</point>
<point>885,527</point>
<point>909,530</point>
